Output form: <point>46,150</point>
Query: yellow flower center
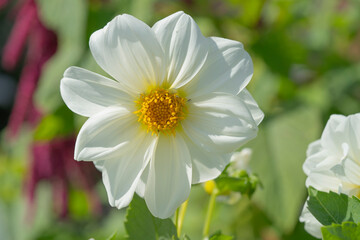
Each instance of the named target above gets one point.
<point>160,110</point>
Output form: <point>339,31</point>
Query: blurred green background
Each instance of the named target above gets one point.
<point>306,58</point>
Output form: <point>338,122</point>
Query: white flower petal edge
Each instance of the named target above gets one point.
<point>169,182</point>
<point>129,51</point>
<point>334,134</point>
<point>107,133</point>
<point>87,93</point>
<point>332,164</point>
<point>251,104</point>
<point>352,171</point>
<point>185,47</point>
<point>312,225</point>
<point>121,175</point>
<point>236,127</point>
<point>205,165</point>
<point>229,69</point>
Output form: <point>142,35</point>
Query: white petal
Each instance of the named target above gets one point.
<point>128,50</point>
<point>354,136</point>
<point>87,93</point>
<point>312,225</point>
<point>205,165</point>
<point>121,175</point>
<point>140,188</point>
<point>112,131</point>
<point>313,160</point>
<point>219,122</point>
<point>251,104</point>
<point>335,133</point>
<point>323,181</point>
<point>314,147</point>
<point>185,47</point>
<point>349,189</point>
<point>99,164</point>
<point>228,68</point>
<point>169,181</point>
<point>314,156</point>
<point>352,170</point>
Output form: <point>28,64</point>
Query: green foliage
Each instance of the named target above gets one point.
<point>68,19</point>
<point>244,183</point>
<point>344,231</point>
<point>329,208</point>
<point>278,155</point>
<point>141,224</point>
<point>112,237</point>
<point>306,67</point>
<point>219,236</point>
<point>58,124</point>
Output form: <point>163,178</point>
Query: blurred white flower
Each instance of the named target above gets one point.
<point>176,109</point>
<point>240,161</point>
<point>333,163</point>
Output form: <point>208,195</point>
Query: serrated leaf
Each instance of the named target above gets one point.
<point>141,224</point>
<point>354,207</point>
<point>328,208</point>
<point>344,231</point>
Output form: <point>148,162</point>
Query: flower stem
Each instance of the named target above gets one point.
<point>209,213</point>
<point>180,217</point>
<point>177,217</point>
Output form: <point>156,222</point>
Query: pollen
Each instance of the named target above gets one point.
<point>161,111</point>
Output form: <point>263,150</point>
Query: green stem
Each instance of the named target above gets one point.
<point>181,215</point>
<point>209,213</point>
<point>177,217</point>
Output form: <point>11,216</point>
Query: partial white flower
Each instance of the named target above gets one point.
<point>176,109</point>
<point>240,161</point>
<point>333,163</point>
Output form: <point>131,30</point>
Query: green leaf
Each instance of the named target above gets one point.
<point>243,184</point>
<point>226,184</point>
<point>112,237</point>
<point>185,237</point>
<point>331,207</point>
<point>344,231</point>
<point>141,224</point>
<point>219,236</point>
<point>278,154</point>
<point>60,123</point>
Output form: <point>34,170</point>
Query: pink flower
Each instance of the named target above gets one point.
<point>53,162</point>
<point>41,44</point>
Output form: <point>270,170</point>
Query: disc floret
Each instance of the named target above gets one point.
<point>160,110</point>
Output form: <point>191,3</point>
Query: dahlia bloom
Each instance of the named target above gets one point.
<point>176,109</point>
<point>333,163</point>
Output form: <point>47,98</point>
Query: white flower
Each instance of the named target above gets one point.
<point>240,161</point>
<point>177,108</point>
<point>333,163</point>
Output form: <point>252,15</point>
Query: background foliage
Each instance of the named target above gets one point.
<point>307,66</point>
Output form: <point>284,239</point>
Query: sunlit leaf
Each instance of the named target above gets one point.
<point>141,224</point>
<point>344,231</point>
<point>331,207</point>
